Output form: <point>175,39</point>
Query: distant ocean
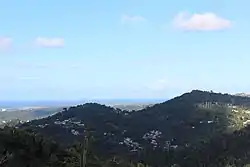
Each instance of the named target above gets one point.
<point>19,104</point>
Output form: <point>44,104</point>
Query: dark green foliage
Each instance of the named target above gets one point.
<point>182,121</point>
<point>25,149</point>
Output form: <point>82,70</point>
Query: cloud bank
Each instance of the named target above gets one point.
<point>201,22</point>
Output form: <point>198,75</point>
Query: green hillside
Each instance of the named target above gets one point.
<point>195,129</point>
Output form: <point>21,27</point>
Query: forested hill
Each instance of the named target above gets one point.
<point>181,125</point>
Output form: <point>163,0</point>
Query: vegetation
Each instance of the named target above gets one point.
<point>25,114</point>
<point>202,129</point>
<point>20,148</point>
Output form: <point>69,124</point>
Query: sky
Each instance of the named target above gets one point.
<point>152,49</point>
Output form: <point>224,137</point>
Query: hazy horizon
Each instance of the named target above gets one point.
<point>51,103</point>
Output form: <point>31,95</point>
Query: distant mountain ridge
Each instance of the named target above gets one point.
<point>184,122</point>
<point>131,107</point>
<point>242,94</point>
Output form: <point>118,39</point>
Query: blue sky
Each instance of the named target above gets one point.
<point>71,50</point>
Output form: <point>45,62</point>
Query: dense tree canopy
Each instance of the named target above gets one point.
<point>195,129</point>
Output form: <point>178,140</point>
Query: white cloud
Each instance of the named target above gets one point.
<point>201,22</point>
<point>132,19</point>
<point>5,43</point>
<point>49,42</point>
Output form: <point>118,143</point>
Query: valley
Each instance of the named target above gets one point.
<point>26,114</point>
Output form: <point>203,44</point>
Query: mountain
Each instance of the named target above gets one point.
<point>242,94</point>
<point>183,124</point>
<point>131,107</point>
